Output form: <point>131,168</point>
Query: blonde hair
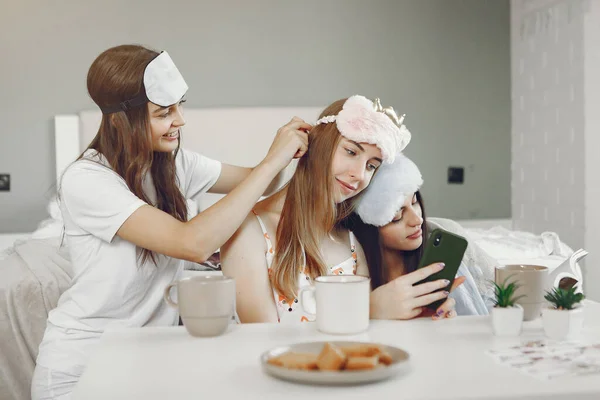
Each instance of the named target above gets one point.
<point>309,211</point>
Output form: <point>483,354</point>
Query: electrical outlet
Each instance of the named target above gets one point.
<point>4,182</point>
<point>456,175</point>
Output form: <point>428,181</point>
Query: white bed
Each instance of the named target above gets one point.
<point>7,239</point>
<point>212,130</point>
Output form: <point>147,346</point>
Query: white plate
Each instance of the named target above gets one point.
<point>400,363</point>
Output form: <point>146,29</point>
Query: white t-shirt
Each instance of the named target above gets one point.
<point>110,287</point>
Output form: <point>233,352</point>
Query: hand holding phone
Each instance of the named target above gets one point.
<point>403,298</point>
<point>443,247</point>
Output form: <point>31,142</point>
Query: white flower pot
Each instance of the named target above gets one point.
<point>507,321</point>
<point>562,324</point>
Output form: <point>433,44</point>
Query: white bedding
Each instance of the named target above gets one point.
<point>7,239</point>
<point>33,274</point>
<point>518,247</point>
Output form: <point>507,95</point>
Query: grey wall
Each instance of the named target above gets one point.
<point>446,64</point>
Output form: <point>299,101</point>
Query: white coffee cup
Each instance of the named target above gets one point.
<point>339,302</point>
<point>206,303</point>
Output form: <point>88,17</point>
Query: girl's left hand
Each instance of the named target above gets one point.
<point>446,310</point>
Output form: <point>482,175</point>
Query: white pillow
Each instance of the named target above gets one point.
<point>50,227</point>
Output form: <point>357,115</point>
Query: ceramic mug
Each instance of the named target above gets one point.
<point>206,303</point>
<point>340,303</point>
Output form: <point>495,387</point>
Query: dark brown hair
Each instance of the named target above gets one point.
<point>368,237</point>
<point>124,138</point>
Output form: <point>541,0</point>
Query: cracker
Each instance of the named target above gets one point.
<point>292,360</point>
<point>331,358</point>
<point>361,350</point>
<point>385,358</point>
<point>361,363</point>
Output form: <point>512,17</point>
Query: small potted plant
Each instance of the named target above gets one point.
<point>564,318</point>
<point>507,317</point>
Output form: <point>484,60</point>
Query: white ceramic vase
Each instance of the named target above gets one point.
<point>507,321</point>
<point>562,324</point>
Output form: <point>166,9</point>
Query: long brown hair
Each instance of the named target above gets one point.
<point>368,237</point>
<point>124,138</point>
<point>309,211</point>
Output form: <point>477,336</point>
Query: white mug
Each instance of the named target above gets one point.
<point>206,304</point>
<point>342,303</point>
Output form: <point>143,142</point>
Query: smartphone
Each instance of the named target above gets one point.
<point>446,247</point>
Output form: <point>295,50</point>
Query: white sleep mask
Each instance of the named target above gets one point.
<point>387,192</point>
<point>163,82</point>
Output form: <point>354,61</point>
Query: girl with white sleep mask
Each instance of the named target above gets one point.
<point>124,203</point>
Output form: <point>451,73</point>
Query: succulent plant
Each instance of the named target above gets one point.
<point>564,299</point>
<point>505,293</point>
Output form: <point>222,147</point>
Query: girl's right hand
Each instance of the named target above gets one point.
<point>291,142</point>
<point>401,298</point>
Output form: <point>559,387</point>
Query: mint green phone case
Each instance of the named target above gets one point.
<point>446,247</point>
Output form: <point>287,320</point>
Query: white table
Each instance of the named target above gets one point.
<point>448,362</point>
